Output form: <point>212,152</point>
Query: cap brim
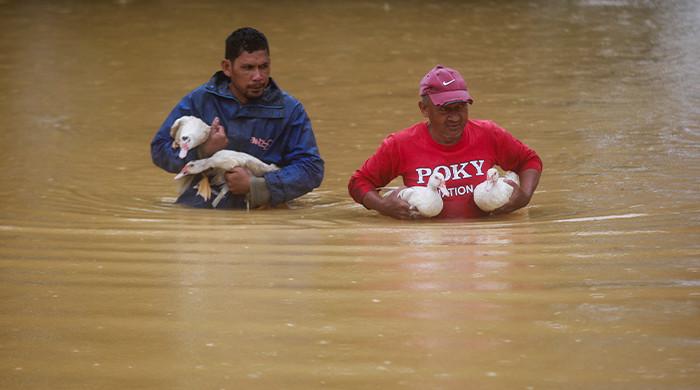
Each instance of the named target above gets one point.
<point>459,96</point>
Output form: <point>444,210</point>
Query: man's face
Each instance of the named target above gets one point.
<point>249,74</point>
<point>446,122</point>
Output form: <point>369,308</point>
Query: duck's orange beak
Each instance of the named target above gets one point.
<point>184,148</point>
<point>184,172</point>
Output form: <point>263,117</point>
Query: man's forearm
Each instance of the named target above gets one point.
<point>259,194</point>
<point>373,201</point>
<point>529,179</point>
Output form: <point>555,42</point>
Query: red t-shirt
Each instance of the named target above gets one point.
<point>414,155</point>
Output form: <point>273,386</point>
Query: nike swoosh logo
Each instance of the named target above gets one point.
<point>446,83</point>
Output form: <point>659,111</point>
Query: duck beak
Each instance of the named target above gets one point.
<point>443,190</point>
<point>184,148</point>
<point>182,174</point>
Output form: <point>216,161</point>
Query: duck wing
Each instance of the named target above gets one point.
<point>426,201</point>
<point>510,175</point>
<point>490,196</point>
<point>229,159</point>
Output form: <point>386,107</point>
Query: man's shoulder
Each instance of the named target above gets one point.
<point>408,134</point>
<point>275,95</point>
<point>217,85</point>
<point>289,100</point>
<point>485,129</point>
<point>484,124</point>
<point>402,139</point>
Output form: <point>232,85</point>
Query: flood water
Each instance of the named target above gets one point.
<point>106,284</point>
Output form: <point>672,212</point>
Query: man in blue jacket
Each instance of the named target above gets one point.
<point>248,113</point>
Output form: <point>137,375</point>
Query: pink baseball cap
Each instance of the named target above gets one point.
<point>444,86</point>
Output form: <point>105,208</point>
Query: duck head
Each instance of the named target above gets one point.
<point>492,175</point>
<point>437,181</point>
<point>191,168</point>
<point>188,132</point>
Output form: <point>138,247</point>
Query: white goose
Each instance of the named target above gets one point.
<point>494,192</point>
<point>221,162</point>
<point>188,132</point>
<point>426,201</point>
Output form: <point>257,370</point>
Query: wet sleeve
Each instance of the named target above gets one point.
<point>302,165</point>
<point>379,170</point>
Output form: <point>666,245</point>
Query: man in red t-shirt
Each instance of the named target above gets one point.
<point>449,142</point>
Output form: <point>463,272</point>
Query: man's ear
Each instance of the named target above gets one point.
<point>423,108</point>
<point>227,67</point>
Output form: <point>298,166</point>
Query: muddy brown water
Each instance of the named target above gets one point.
<point>105,284</point>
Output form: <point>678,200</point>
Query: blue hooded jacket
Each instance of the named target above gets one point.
<point>274,128</point>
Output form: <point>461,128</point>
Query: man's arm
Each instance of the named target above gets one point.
<point>379,169</point>
<point>390,205</point>
<point>514,155</point>
<point>302,168</point>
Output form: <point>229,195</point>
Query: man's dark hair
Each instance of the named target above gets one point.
<point>246,38</point>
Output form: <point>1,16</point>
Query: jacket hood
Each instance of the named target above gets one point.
<point>219,82</point>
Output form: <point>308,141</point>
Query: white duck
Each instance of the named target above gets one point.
<point>188,132</point>
<point>221,162</point>
<point>426,201</point>
<point>494,192</point>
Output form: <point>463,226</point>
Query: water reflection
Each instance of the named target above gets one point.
<point>107,284</point>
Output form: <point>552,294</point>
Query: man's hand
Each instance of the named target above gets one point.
<point>390,205</point>
<point>238,180</point>
<point>217,140</point>
<point>518,199</point>
<point>521,193</point>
